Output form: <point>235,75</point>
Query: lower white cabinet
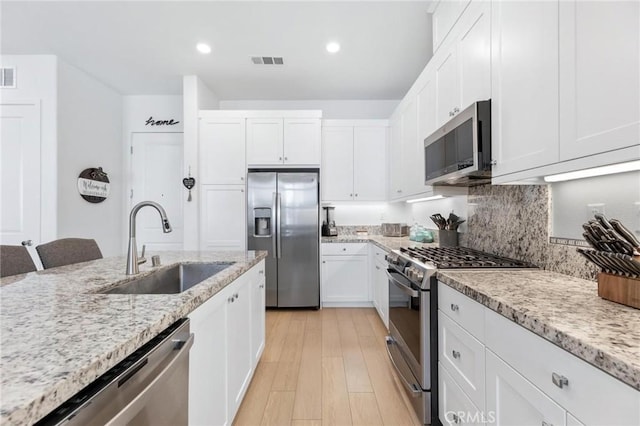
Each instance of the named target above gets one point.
<point>381,292</point>
<point>223,222</point>
<point>229,329</point>
<point>345,276</point>
<point>513,400</point>
<point>454,406</point>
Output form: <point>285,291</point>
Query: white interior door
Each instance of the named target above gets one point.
<point>157,176</point>
<point>20,174</point>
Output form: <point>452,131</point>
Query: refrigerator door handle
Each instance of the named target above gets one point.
<point>274,228</point>
<point>278,219</point>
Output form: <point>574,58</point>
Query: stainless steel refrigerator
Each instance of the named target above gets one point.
<point>283,219</point>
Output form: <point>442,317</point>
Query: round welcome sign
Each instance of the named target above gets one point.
<point>93,185</point>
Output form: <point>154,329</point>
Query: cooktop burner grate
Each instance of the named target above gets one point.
<point>461,257</point>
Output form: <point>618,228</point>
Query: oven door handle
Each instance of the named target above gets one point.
<point>405,288</point>
<point>133,407</point>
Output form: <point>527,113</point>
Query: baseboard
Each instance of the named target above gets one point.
<point>347,304</point>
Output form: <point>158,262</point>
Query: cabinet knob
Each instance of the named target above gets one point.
<point>242,190</point>
<point>324,261</point>
<point>450,113</point>
<point>286,159</point>
<point>356,195</point>
<point>454,307</point>
<point>377,267</point>
<point>399,191</point>
<point>494,162</point>
<point>559,380</point>
<point>456,110</point>
<point>344,249</point>
<point>456,419</point>
<point>261,272</point>
<point>280,158</point>
<point>27,243</point>
<point>241,177</point>
<point>455,354</point>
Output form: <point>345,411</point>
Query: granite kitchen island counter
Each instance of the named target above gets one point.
<point>564,310</point>
<point>58,334</point>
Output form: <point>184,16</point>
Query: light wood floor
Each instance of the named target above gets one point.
<point>327,367</point>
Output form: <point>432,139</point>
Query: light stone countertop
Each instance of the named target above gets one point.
<point>58,335</point>
<point>564,310</point>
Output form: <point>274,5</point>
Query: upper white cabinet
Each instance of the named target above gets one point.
<point>524,68</point>
<point>412,150</point>
<point>599,83</point>
<point>354,160</point>
<point>396,178</point>
<point>283,141</point>
<point>446,67</point>
<point>222,153</point>
<point>427,122</point>
<point>223,222</point>
<point>473,47</point>
<point>444,17</point>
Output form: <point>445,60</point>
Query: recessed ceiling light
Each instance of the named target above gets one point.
<point>203,48</point>
<point>333,47</point>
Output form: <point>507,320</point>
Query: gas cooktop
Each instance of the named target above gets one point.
<point>460,258</point>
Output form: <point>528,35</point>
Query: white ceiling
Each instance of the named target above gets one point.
<point>145,47</point>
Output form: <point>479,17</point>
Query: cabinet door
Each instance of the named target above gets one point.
<point>302,141</point>
<point>444,18</point>
<point>446,86</point>
<point>223,217</point>
<point>239,355</point>
<point>396,183</point>
<point>382,287</point>
<point>337,163</point>
<point>524,69</point>
<point>208,363</point>
<point>412,150</point>
<point>599,84</point>
<point>474,54</point>
<point>455,408</point>
<point>258,313</point>
<point>427,110</point>
<point>222,151</point>
<point>369,163</point>
<point>514,400</point>
<point>344,279</point>
<point>264,141</point>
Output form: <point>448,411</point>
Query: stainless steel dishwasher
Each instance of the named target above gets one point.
<point>150,387</point>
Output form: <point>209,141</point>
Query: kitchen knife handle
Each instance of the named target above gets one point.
<point>625,233</point>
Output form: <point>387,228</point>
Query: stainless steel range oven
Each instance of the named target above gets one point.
<point>412,343</point>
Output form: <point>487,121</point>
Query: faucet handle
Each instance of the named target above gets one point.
<point>142,259</point>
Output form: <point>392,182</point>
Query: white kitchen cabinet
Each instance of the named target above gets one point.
<point>239,354</point>
<point>412,151</point>
<point>222,150</point>
<point>301,143</point>
<point>222,359</point>
<point>427,120</point>
<point>444,17</point>
<point>379,282</point>
<point>446,69</point>
<point>354,161</point>
<point>337,163</point>
<point>513,400</point>
<point>283,141</point>
<point>524,84</point>
<point>454,407</point>
<point>396,171</point>
<point>223,217</point>
<point>208,362</point>
<point>258,307</point>
<point>345,275</point>
<point>599,84</point>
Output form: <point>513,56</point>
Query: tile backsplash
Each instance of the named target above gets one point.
<point>514,221</point>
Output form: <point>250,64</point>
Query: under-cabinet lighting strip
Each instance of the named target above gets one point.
<point>596,171</point>
<point>417,200</point>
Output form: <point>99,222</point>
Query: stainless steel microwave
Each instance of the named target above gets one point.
<point>459,153</point>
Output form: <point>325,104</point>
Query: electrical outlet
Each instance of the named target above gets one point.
<point>594,208</point>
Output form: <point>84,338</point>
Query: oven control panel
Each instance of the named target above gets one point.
<point>415,274</point>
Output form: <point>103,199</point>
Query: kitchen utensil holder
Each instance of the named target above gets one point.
<point>447,238</point>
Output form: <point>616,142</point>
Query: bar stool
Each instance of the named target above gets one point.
<point>15,260</point>
<point>67,251</point>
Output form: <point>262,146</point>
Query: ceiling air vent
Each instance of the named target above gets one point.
<point>7,78</point>
<point>267,60</point>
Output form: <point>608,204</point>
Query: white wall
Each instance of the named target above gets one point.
<point>196,96</point>
<point>376,109</point>
<point>36,80</point>
<point>89,135</point>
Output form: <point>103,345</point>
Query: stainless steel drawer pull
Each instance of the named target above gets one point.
<point>559,380</point>
<point>456,419</point>
<point>455,354</point>
<point>454,307</point>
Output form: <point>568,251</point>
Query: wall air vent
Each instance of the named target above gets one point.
<point>267,60</point>
<point>7,78</point>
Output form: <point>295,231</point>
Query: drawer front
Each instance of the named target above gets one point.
<point>590,394</point>
<point>378,254</point>
<point>468,313</point>
<point>454,407</point>
<point>344,249</point>
<point>463,357</point>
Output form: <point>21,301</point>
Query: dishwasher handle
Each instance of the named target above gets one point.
<point>132,408</point>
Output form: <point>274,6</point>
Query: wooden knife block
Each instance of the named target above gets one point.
<point>625,291</point>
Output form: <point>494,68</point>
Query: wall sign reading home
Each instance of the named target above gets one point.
<point>93,185</point>
<point>152,122</point>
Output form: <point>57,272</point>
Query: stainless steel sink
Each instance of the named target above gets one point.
<point>172,280</point>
